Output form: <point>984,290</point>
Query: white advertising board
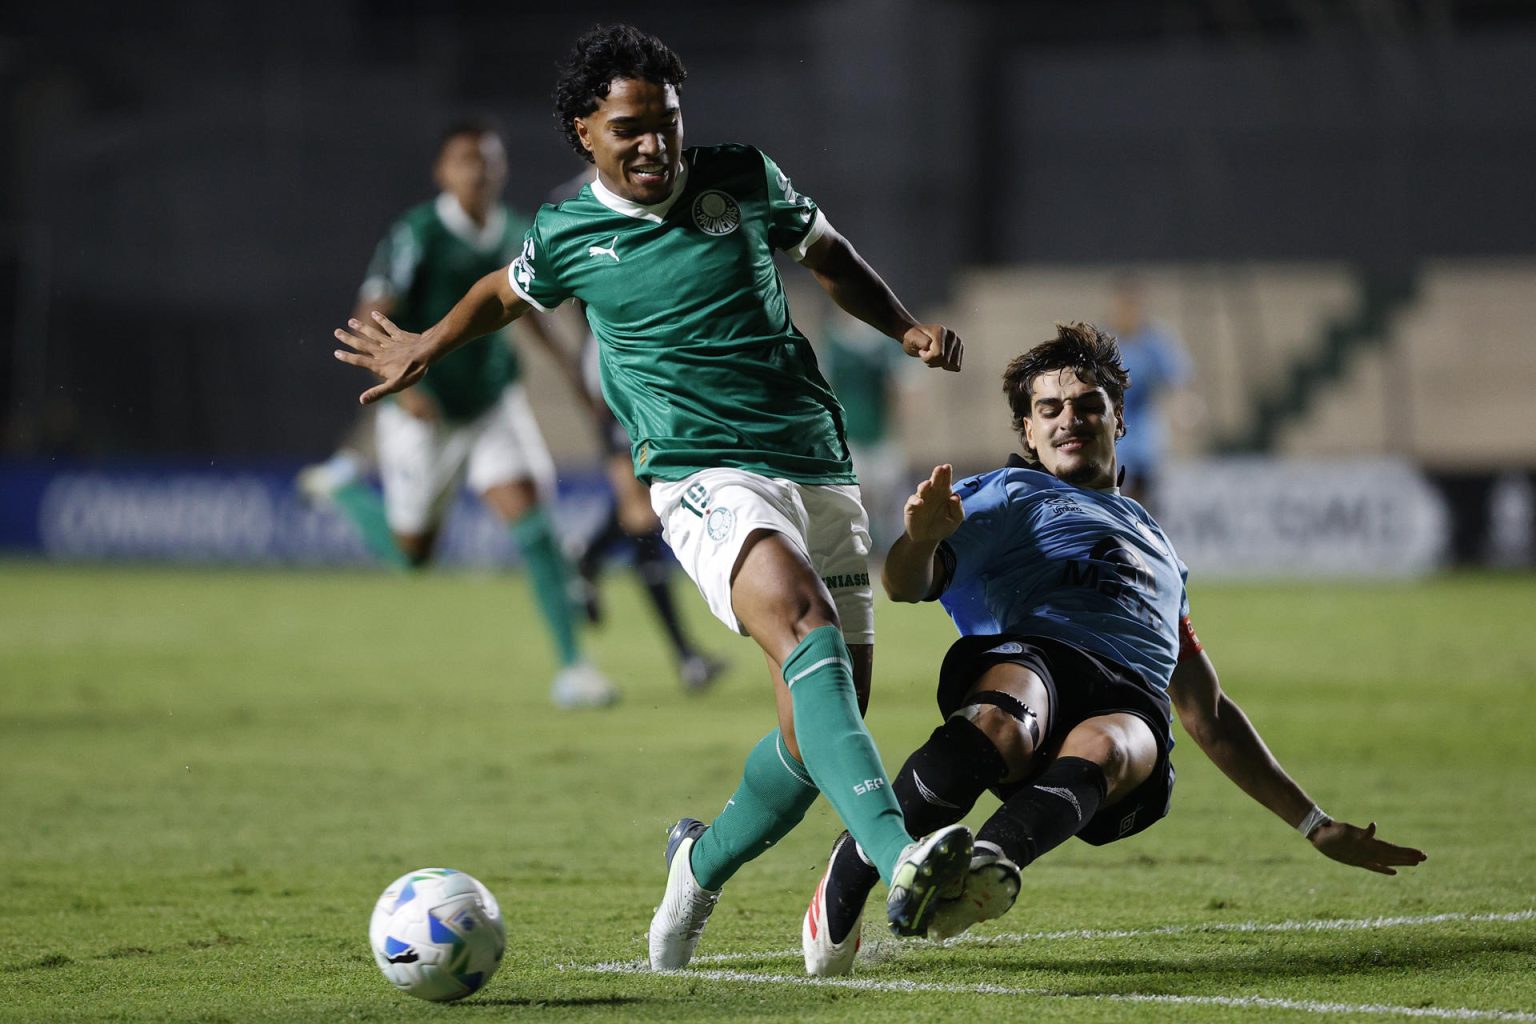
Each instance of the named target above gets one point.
<point>1264,517</point>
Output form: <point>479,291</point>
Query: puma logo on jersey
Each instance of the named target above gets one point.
<point>597,250</point>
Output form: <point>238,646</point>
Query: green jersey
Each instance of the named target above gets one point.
<point>699,359</point>
<point>429,259</point>
<point>863,365</point>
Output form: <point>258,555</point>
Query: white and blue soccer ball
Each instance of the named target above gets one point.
<point>437,934</point>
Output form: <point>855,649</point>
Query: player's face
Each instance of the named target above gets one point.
<point>473,169</point>
<point>635,137</point>
<point>1072,427</point>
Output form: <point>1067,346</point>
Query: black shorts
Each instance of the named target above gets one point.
<point>1082,685</point>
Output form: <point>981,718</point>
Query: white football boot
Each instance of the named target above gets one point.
<point>582,686</point>
<point>937,861</point>
<point>319,483</point>
<point>699,671</point>
<point>685,906</point>
<point>991,887</point>
<point>823,957</point>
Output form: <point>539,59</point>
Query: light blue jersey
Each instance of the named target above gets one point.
<point>1039,557</point>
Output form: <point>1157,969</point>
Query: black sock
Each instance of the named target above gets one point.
<point>590,564</point>
<point>651,562</point>
<point>1048,813</point>
<point>936,787</point>
<point>942,779</point>
<point>849,883</point>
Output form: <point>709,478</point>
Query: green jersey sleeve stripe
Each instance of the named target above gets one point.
<point>820,228</point>
<point>512,279</point>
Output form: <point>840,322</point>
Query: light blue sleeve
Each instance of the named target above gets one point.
<point>978,543</point>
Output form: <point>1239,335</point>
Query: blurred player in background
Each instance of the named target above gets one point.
<point>865,371</point>
<point>630,516</point>
<point>1158,364</point>
<point>471,422</point>
<point>736,431</point>
<point>1075,633</point>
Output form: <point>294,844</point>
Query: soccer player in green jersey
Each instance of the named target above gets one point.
<point>738,435</point>
<point>630,516</point>
<point>471,420</point>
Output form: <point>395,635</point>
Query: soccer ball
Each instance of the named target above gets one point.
<point>437,934</point>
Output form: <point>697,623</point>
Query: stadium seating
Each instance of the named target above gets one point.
<point>1460,347</point>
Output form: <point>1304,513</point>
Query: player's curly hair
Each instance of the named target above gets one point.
<point>1092,354</point>
<point>606,53</point>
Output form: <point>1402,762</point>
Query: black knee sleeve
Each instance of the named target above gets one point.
<point>940,782</point>
<point>1016,709</point>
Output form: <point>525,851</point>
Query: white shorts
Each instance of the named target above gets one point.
<point>421,462</point>
<point>708,515</point>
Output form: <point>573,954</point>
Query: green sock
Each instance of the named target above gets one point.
<point>548,573</point>
<point>837,748</point>
<point>362,505</point>
<point>774,794</point>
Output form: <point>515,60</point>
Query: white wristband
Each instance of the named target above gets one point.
<point>1314,820</point>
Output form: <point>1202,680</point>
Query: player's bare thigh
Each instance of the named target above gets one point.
<point>779,599</point>
<point>1012,737</point>
<point>1122,744</point>
<point>512,499</point>
<point>777,595</point>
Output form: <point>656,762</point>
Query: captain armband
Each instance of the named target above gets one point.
<point>1189,644</point>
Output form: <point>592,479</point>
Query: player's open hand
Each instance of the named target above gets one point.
<point>934,512</point>
<point>1350,844</point>
<point>398,358</point>
<point>935,344</point>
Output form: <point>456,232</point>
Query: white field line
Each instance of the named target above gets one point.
<point>1240,1002</point>
<point>985,989</point>
<point>1018,938</point>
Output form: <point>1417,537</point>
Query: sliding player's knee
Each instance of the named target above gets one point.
<point>1012,726</point>
<point>1126,752</point>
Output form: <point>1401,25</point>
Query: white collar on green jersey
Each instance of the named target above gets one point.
<point>655,213</point>
<point>463,226</point>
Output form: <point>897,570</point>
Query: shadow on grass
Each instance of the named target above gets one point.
<point>579,1001</point>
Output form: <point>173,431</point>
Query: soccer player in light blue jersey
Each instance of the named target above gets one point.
<point>1075,635</point>
<point>671,251</point>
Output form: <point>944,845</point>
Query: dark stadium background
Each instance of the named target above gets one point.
<point>189,191</point>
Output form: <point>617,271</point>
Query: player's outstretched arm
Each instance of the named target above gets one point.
<point>400,358</point>
<point>912,571</point>
<point>1221,729</point>
<point>854,286</point>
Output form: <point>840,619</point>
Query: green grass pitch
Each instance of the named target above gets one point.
<point>206,778</point>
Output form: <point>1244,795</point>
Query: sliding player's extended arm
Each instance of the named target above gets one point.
<point>400,358</point>
<point>912,570</point>
<point>854,285</point>
<point>1215,722</point>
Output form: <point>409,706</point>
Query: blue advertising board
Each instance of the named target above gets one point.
<point>230,513</point>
